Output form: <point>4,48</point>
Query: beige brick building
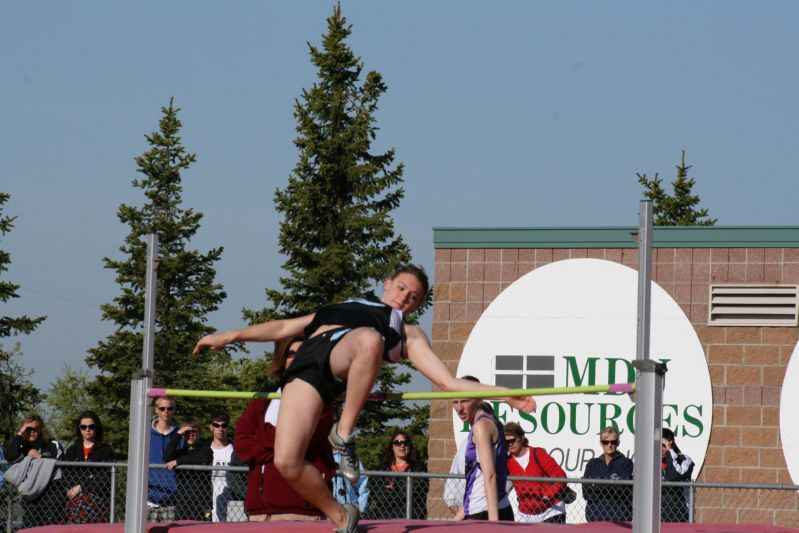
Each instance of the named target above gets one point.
<point>747,363</point>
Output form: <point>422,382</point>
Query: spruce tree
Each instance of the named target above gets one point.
<point>67,397</point>
<point>186,290</point>
<point>678,209</point>
<point>17,393</point>
<point>337,233</point>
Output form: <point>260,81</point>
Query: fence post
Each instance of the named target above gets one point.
<point>9,508</point>
<point>113,502</point>
<point>139,438</point>
<point>691,501</point>
<point>409,497</point>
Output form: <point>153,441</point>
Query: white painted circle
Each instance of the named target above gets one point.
<point>789,428</point>
<point>578,313</point>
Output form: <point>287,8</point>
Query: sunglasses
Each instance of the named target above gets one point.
<point>221,425</point>
<point>33,430</point>
<point>401,443</point>
<point>609,442</point>
<point>192,432</point>
<point>162,409</point>
<point>84,427</point>
<point>511,440</point>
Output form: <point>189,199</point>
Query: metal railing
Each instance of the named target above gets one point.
<point>216,493</point>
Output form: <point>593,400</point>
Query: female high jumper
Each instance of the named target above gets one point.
<point>346,345</point>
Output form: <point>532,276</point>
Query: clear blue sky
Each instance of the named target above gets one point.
<point>504,113</point>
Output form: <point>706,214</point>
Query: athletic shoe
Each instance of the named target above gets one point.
<point>353,514</point>
<point>349,456</point>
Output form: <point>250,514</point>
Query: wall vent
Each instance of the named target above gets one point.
<point>753,305</point>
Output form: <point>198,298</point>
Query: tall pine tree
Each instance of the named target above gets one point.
<point>679,209</point>
<point>186,290</point>
<point>337,233</point>
<point>17,393</point>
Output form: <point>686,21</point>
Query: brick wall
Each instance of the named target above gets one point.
<point>747,364</point>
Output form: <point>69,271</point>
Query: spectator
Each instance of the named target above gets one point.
<point>269,496</point>
<point>3,467</point>
<point>389,493</point>
<point>675,466</point>
<point>346,491</point>
<point>486,465</point>
<point>608,503</point>
<point>454,487</point>
<point>538,501</point>
<point>193,494</point>
<point>89,489</point>
<point>223,455</point>
<point>162,483</point>
<point>33,440</point>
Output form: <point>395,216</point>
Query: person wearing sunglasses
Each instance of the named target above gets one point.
<point>389,493</point>
<point>218,452</point>
<point>89,489</point>
<point>33,440</point>
<point>223,454</point>
<point>608,503</point>
<point>193,495</point>
<point>162,484</point>
<point>538,501</point>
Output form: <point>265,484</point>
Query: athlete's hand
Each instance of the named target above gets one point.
<point>214,341</point>
<point>523,403</point>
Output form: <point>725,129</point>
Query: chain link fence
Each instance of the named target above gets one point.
<point>95,492</point>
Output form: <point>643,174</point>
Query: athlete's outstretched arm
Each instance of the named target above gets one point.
<point>263,332</point>
<point>423,358</point>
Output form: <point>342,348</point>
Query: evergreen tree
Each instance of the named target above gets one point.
<point>186,290</point>
<point>678,209</point>
<point>67,397</point>
<point>17,394</point>
<point>337,232</point>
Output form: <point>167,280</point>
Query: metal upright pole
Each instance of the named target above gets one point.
<point>648,394</point>
<point>409,498</point>
<point>141,381</point>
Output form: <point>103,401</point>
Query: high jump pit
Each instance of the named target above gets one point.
<point>407,526</point>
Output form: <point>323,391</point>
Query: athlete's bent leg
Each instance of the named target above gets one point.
<point>356,358</point>
<point>300,407</point>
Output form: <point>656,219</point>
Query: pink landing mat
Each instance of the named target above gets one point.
<point>408,526</point>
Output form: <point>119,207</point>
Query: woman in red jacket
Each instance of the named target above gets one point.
<point>538,501</point>
<point>269,496</point>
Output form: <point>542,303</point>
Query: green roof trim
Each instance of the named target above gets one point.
<point>619,237</point>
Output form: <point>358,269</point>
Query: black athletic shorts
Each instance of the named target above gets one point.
<point>505,514</point>
<point>312,365</point>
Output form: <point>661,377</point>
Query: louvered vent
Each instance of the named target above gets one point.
<point>753,305</point>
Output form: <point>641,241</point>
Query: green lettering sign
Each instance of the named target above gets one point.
<point>573,374</point>
<point>529,418</point>
<point>546,418</point>
<point>667,421</point>
<point>693,420</point>
<point>573,418</point>
<point>609,419</point>
<point>628,376</point>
